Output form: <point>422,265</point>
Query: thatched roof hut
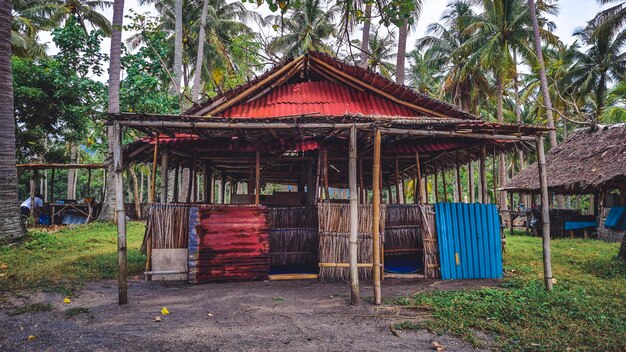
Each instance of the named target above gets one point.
<point>587,162</point>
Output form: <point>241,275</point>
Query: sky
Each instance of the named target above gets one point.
<point>573,14</point>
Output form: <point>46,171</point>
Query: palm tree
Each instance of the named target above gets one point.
<point>403,34</point>
<point>108,206</point>
<point>611,19</point>
<point>10,224</point>
<point>381,52</point>
<point>195,89</point>
<point>307,28</point>
<point>178,46</point>
<point>367,22</point>
<point>542,72</point>
<point>599,66</point>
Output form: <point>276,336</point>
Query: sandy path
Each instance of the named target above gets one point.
<point>254,316</point>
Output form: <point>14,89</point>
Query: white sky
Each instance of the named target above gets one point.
<point>573,14</point>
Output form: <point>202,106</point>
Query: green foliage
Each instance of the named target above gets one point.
<point>74,311</point>
<point>65,259</point>
<point>584,312</point>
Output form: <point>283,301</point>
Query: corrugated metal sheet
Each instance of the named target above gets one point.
<point>321,97</point>
<point>469,240</point>
<point>228,244</point>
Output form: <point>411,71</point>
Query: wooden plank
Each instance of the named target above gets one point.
<point>376,272</point>
<point>354,220</point>
<point>282,277</point>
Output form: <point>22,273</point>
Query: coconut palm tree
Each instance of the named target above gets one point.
<point>381,52</point>
<point>611,19</point>
<point>10,224</point>
<point>403,33</point>
<point>601,64</point>
<point>108,206</point>
<point>306,28</point>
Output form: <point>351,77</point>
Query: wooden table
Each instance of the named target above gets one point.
<point>86,209</point>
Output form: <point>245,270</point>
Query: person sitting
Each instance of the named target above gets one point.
<point>37,209</point>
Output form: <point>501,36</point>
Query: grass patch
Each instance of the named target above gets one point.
<point>31,308</point>
<point>64,260</point>
<point>74,311</point>
<point>585,312</point>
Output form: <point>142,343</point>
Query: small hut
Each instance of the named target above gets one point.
<point>589,162</point>
<point>283,177</point>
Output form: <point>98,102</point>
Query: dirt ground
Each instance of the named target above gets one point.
<point>253,316</point>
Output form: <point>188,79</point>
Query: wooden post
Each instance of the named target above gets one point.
<point>121,215</point>
<point>511,212</point>
<point>397,178</point>
<point>164,175</point>
<point>426,198</point>
<point>51,197</point>
<point>459,186</point>
<point>376,272</point>
<point>207,183</point>
<point>154,168</point>
<point>470,181</point>
<point>354,221</point>
<point>419,191</point>
<point>483,175</point>
<point>445,186</point>
<point>436,188</point>
<point>325,172</point>
<point>545,213</point>
<point>362,193</point>
<point>176,183</point>
<point>257,179</point>
<point>89,182</point>
<point>31,185</point>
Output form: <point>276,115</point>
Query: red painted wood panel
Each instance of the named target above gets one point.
<point>233,244</point>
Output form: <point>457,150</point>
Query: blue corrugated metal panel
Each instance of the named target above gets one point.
<point>469,241</point>
<point>192,258</point>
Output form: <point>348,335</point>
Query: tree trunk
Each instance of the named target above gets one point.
<point>71,175</point>
<point>178,46</point>
<point>401,58</point>
<point>366,35</point>
<point>108,205</point>
<point>542,73</point>
<point>622,250</point>
<point>182,195</point>
<point>502,159</point>
<point>195,90</point>
<point>10,224</point>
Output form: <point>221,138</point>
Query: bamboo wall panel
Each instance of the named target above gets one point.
<point>293,235</point>
<point>402,230</point>
<point>167,227</point>
<point>228,243</point>
<point>429,238</point>
<point>334,232</point>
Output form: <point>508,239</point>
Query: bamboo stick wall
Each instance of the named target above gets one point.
<point>429,238</point>
<point>293,236</point>
<point>402,231</point>
<point>167,227</point>
<point>334,232</point>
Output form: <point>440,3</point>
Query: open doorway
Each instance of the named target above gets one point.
<point>403,246</point>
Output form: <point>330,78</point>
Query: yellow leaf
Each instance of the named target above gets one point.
<point>3,266</point>
<point>32,337</point>
<point>66,300</point>
<point>164,311</point>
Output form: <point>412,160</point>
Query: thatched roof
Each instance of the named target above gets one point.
<point>584,163</point>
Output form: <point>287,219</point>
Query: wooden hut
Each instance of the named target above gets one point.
<point>287,173</point>
<point>591,161</point>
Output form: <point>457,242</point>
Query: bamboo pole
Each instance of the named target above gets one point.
<point>470,179</point>
<point>459,186</point>
<point>419,194</point>
<point>483,175</point>
<point>176,183</point>
<point>397,179</point>
<point>445,186</point>
<point>426,198</point>
<point>118,167</point>
<point>545,213</point>
<point>257,179</point>
<point>164,175</point>
<point>52,187</point>
<point>207,183</point>
<point>154,168</point>
<point>436,191</point>
<point>354,221</point>
<point>325,171</point>
<point>362,199</point>
<point>376,272</point>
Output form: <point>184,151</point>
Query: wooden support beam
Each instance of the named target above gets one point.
<point>118,168</point>
<point>176,183</point>
<point>154,168</point>
<point>450,134</point>
<point>376,270</point>
<point>445,186</point>
<point>470,177</point>
<point>89,182</point>
<point>325,173</point>
<point>483,175</point>
<point>436,191</point>
<point>354,222</point>
<point>426,198</point>
<point>206,169</point>
<point>397,181</point>
<point>545,213</point>
<point>164,175</point>
<point>257,179</point>
<point>52,187</point>
<point>419,191</point>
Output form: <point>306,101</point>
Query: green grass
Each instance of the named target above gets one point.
<point>72,312</point>
<point>32,308</point>
<point>64,260</point>
<point>585,312</point>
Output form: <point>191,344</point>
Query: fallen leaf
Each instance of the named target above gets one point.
<point>164,311</point>
<point>3,266</point>
<point>438,347</point>
<point>66,300</point>
<point>32,337</point>
<point>210,314</point>
<point>553,281</point>
<point>157,319</point>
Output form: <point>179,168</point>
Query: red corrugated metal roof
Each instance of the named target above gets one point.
<point>321,97</point>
